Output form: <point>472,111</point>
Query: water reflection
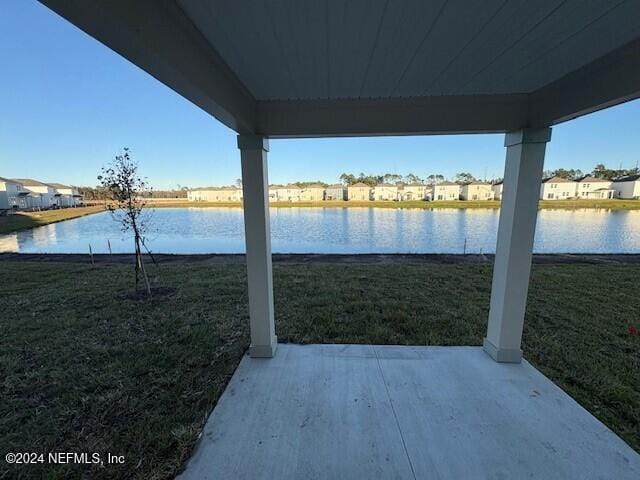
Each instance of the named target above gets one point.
<point>338,230</point>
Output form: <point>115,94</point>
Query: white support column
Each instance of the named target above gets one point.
<point>255,186</point>
<point>512,267</point>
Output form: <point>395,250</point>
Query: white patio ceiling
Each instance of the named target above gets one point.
<point>367,67</point>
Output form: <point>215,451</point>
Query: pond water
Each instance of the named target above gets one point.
<point>338,230</point>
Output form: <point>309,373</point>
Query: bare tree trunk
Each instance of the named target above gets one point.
<point>140,262</point>
<point>137,262</point>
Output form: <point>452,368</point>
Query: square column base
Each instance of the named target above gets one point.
<point>502,355</point>
<point>264,351</point>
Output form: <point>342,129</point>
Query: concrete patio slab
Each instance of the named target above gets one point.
<point>361,411</point>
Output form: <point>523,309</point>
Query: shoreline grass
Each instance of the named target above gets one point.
<point>613,204</point>
<point>26,220</point>
<point>86,367</point>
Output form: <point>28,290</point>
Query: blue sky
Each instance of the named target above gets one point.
<point>68,105</point>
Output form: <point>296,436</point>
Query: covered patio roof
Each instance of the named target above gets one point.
<point>301,68</point>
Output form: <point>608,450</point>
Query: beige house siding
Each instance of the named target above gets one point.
<point>385,192</point>
<point>335,192</point>
<point>312,193</point>
<point>476,191</point>
<point>359,192</point>
<point>412,192</point>
<point>288,193</point>
<point>446,191</point>
<point>215,194</point>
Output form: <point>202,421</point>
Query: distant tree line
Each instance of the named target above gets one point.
<point>100,193</point>
<point>372,180</point>
<point>599,171</point>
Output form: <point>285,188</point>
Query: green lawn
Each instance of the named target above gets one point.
<point>87,368</point>
<point>26,220</point>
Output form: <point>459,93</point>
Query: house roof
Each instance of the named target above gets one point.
<point>477,183</point>
<point>557,180</point>
<point>8,180</point>
<point>591,179</point>
<point>29,182</point>
<point>359,185</point>
<point>628,178</point>
<point>336,185</point>
<point>314,185</point>
<point>447,184</point>
<point>58,185</point>
<point>387,185</point>
<point>214,189</point>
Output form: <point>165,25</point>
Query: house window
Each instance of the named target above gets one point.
<point>549,195</point>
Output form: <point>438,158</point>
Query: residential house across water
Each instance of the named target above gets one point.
<point>359,191</point>
<point>312,193</point>
<point>287,193</point>
<point>215,194</point>
<point>335,192</point>
<point>42,194</point>
<point>412,191</point>
<point>595,188</point>
<point>29,194</point>
<point>446,191</point>
<point>68,196</point>
<point>12,194</point>
<point>385,192</point>
<point>556,188</point>
<point>497,190</point>
<point>627,187</point>
<point>476,191</point>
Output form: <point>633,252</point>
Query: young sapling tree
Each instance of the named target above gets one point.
<point>127,193</point>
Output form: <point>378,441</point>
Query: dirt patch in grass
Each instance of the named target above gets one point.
<point>85,369</point>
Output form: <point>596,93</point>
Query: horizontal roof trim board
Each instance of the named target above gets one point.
<point>300,68</point>
<point>401,116</point>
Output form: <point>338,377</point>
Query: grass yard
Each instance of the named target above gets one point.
<point>26,220</point>
<point>85,367</point>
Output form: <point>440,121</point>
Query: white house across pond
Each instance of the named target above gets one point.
<point>627,187</point>
<point>30,194</point>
